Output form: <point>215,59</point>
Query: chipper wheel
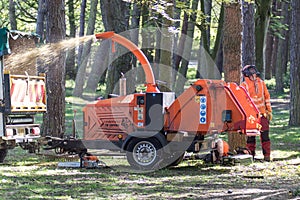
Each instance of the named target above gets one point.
<point>3,153</point>
<point>144,153</point>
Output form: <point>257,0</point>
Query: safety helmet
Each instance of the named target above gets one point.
<point>249,70</point>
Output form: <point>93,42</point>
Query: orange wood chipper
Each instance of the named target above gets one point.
<point>155,128</point>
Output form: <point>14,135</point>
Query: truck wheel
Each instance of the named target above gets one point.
<point>144,153</point>
<point>3,153</point>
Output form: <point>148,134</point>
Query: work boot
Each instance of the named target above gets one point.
<point>267,158</point>
<point>266,148</point>
<point>251,149</point>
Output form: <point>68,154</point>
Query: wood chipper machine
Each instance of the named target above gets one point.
<point>156,128</point>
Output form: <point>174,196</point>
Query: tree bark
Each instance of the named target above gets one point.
<point>12,15</point>
<point>248,38</point>
<point>262,18</point>
<point>165,65</point>
<point>40,28</point>
<point>98,67</point>
<point>269,55</point>
<point>54,119</point>
<point>188,44</point>
<point>70,62</point>
<point>81,73</point>
<point>271,42</point>
<point>217,51</point>
<point>181,44</point>
<point>204,48</point>
<point>81,29</point>
<point>147,40</point>
<point>115,17</point>
<point>282,52</point>
<point>295,63</point>
<point>232,42</point>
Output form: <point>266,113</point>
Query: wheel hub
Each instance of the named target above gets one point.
<point>144,153</point>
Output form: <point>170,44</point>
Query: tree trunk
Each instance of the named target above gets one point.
<point>54,119</point>
<point>81,30</point>
<point>81,73</point>
<point>204,48</point>
<point>147,41</point>
<point>217,51</point>
<point>271,42</point>
<point>70,62</point>
<point>232,41</point>
<point>134,27</point>
<point>165,65</point>
<point>188,44</point>
<point>181,44</point>
<point>248,38</point>
<point>295,63</point>
<point>274,53</point>
<point>12,15</point>
<point>282,52</point>
<point>115,17</point>
<point>40,28</point>
<point>262,19</point>
<point>98,67</point>
<point>269,55</point>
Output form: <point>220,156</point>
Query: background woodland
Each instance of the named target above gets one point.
<point>216,37</point>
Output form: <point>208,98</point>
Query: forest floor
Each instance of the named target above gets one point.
<point>27,176</point>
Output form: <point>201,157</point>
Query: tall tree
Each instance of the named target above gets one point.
<point>248,44</point>
<point>70,62</point>
<point>188,44</point>
<point>262,19</point>
<point>232,41</point>
<point>271,42</point>
<point>166,52</point>
<point>115,17</point>
<point>40,22</point>
<point>81,73</point>
<point>205,49</point>
<point>54,120</point>
<point>12,15</point>
<point>283,43</point>
<point>81,29</point>
<point>180,46</point>
<point>295,63</point>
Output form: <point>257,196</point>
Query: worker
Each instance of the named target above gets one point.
<point>260,95</point>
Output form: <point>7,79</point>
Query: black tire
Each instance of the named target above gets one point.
<point>144,153</point>
<point>3,153</point>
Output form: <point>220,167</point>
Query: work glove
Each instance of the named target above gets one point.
<point>269,116</point>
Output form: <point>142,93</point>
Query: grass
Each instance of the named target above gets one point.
<point>30,176</point>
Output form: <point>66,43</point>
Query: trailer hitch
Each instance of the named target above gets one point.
<point>64,145</point>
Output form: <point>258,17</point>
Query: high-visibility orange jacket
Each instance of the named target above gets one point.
<point>259,93</point>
